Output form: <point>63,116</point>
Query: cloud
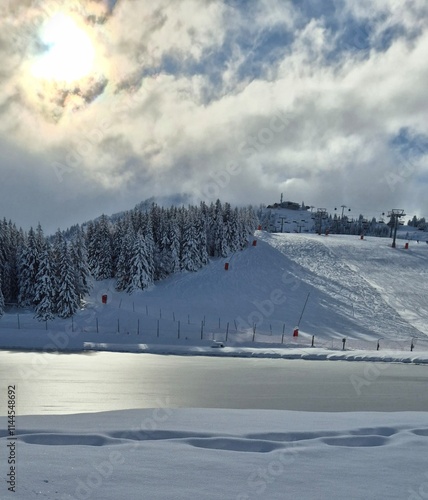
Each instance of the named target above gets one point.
<point>215,99</point>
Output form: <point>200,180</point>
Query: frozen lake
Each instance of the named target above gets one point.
<point>79,383</point>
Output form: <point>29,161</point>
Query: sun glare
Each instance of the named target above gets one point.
<point>69,53</point>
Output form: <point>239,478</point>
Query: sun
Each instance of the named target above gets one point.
<point>68,52</point>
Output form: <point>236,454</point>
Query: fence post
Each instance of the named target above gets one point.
<point>282,338</point>
<point>343,342</point>
<point>138,326</point>
<point>236,326</point>
<point>97,322</point>
<point>227,330</point>
<point>118,326</point>
<point>412,346</point>
<point>313,341</point>
<point>202,330</point>
<point>178,329</point>
<point>173,316</point>
<point>147,311</point>
<point>157,331</point>
<point>19,322</point>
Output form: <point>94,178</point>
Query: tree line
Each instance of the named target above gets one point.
<point>53,274</point>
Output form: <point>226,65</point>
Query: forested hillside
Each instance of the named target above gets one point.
<point>53,274</point>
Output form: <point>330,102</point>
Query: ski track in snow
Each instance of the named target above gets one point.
<point>265,442</point>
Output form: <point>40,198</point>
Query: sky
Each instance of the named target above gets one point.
<point>104,104</point>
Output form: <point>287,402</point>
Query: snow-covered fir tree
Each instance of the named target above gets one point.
<point>80,262</point>
<point>28,268</point>
<point>163,257</point>
<point>141,269</point>
<point>1,302</point>
<point>45,287</point>
<point>125,254</point>
<point>189,260</point>
<point>201,238</point>
<point>161,242</point>
<point>174,237</point>
<point>147,233</point>
<point>12,240</point>
<point>67,299</point>
<point>221,248</point>
<point>100,249</point>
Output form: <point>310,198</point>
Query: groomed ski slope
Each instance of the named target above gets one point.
<point>366,287</point>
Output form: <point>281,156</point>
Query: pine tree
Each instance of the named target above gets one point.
<point>100,249</point>
<point>1,302</point>
<point>147,233</point>
<point>201,238</point>
<point>4,246</point>
<point>10,276</point>
<point>28,268</point>
<point>45,292</point>
<point>8,261</point>
<point>233,231</point>
<point>67,298</point>
<point>163,257</point>
<point>189,250</point>
<point>174,241</point>
<point>220,244</point>
<point>39,238</point>
<point>80,263</point>
<point>161,243</point>
<point>123,266</point>
<point>141,269</point>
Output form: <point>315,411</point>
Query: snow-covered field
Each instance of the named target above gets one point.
<point>361,290</point>
<point>187,454</point>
